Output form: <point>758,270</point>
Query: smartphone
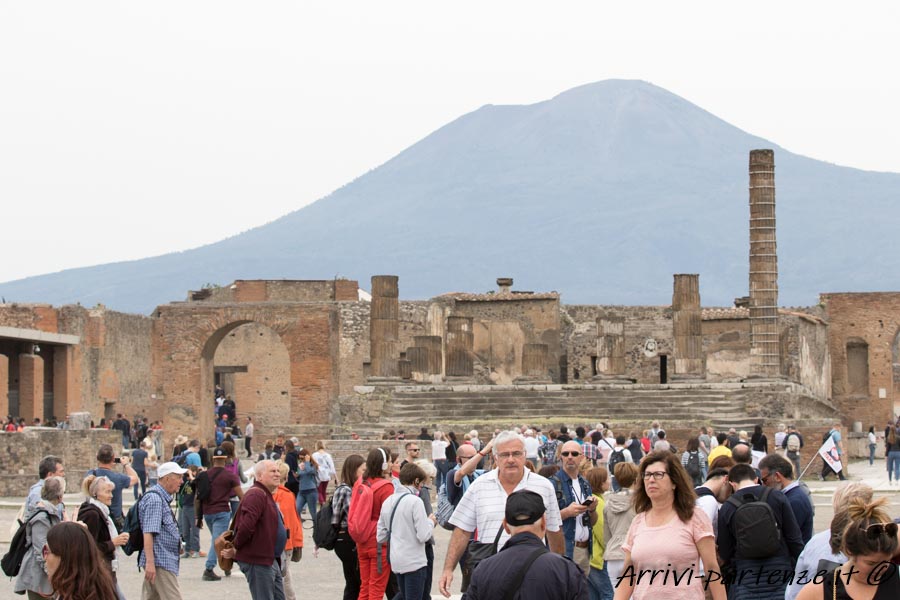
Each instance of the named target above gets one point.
<point>587,503</point>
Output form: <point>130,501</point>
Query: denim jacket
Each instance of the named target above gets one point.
<point>565,496</point>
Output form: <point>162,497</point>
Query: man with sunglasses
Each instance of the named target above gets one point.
<point>412,453</point>
<point>777,472</point>
<point>577,505</point>
<point>483,505</point>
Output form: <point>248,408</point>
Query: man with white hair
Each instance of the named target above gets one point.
<point>531,447</point>
<point>483,506</point>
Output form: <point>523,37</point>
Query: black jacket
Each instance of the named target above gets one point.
<point>551,576</point>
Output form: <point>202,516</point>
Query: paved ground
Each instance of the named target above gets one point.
<point>322,577</point>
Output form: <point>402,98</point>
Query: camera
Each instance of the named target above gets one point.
<point>118,460</point>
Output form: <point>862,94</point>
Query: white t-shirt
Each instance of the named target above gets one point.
<point>439,450</point>
<point>531,447</point>
<point>582,533</point>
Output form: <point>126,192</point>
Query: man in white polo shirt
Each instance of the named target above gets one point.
<point>483,506</point>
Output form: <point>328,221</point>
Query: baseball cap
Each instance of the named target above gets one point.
<point>169,468</point>
<point>524,508</point>
<point>219,453</point>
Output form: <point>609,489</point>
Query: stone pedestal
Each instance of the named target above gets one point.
<point>687,324</point>
<point>384,329</point>
<point>427,358</point>
<point>460,348</point>
<point>79,421</point>
<point>611,350</point>
<point>405,368</point>
<point>534,364</point>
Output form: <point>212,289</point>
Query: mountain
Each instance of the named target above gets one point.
<point>601,193</point>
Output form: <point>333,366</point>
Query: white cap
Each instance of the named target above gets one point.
<point>169,468</point>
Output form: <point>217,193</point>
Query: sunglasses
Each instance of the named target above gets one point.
<point>876,529</point>
<point>570,453</point>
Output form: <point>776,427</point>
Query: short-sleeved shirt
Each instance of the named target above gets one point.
<point>221,489</point>
<point>671,547</point>
<point>439,450</point>
<point>157,518</point>
<point>121,482</point>
<point>483,506</point>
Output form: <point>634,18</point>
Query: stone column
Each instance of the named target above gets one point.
<point>65,387</point>
<point>434,355</point>
<point>418,363</point>
<point>384,328</point>
<point>534,364</point>
<point>404,367</point>
<point>611,350</point>
<point>687,323</point>
<point>31,387</point>
<point>460,348</point>
<point>765,355</point>
<point>4,385</point>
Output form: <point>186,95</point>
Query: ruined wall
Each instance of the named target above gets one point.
<point>868,322</point>
<point>503,327</point>
<point>263,391</point>
<point>642,324</point>
<point>278,290</point>
<point>353,345</point>
<point>726,346</point>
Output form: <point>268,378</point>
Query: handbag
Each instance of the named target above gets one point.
<point>479,551</point>
<point>225,540</point>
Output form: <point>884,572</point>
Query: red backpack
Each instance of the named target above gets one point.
<point>362,518</point>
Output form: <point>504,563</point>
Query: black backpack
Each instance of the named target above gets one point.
<point>693,468</point>
<point>324,532</point>
<point>755,527</point>
<point>133,528</point>
<point>12,560</point>
<point>615,457</point>
<point>203,485</point>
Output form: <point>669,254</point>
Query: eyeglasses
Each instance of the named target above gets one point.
<point>657,475</point>
<point>45,551</point>
<point>876,529</point>
<point>570,453</point>
<point>507,455</point>
<point>765,478</point>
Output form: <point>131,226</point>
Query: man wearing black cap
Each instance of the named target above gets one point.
<point>211,504</point>
<point>524,564</point>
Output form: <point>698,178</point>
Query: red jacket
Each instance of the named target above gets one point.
<point>256,527</point>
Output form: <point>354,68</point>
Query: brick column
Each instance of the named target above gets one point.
<point>4,386</point>
<point>611,350</point>
<point>687,322</point>
<point>65,388</point>
<point>31,387</point>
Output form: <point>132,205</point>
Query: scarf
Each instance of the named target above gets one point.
<point>112,530</point>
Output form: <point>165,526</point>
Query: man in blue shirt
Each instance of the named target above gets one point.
<point>162,539</point>
<point>834,434</point>
<point>778,473</point>
<point>106,463</point>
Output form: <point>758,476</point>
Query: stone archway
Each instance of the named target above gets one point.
<point>186,337</point>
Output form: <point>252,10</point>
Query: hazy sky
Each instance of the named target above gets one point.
<point>130,129</point>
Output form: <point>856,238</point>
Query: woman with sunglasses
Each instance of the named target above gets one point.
<point>669,534</point>
<point>870,542</point>
<point>32,579</point>
<point>74,565</point>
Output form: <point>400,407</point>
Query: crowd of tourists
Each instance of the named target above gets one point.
<point>567,514</point>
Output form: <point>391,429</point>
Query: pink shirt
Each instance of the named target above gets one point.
<point>670,549</point>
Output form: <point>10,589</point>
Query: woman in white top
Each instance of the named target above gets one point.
<point>327,472</point>
<point>439,457</point>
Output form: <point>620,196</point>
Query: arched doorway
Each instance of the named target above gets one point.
<point>251,362</point>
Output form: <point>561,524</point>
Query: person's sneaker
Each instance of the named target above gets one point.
<point>210,575</point>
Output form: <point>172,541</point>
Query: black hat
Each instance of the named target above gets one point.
<point>219,453</point>
<point>524,508</point>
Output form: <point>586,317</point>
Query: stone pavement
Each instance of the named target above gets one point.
<point>321,575</point>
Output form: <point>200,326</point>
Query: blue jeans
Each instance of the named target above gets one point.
<point>189,532</point>
<point>599,585</point>
<point>411,585</point>
<point>265,582</point>
<point>871,454</point>
<point>893,465</point>
<point>308,498</point>
<point>217,524</point>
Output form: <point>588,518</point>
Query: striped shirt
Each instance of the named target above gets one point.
<point>483,506</point>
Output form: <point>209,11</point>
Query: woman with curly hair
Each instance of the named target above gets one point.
<point>669,533</point>
<point>76,569</point>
